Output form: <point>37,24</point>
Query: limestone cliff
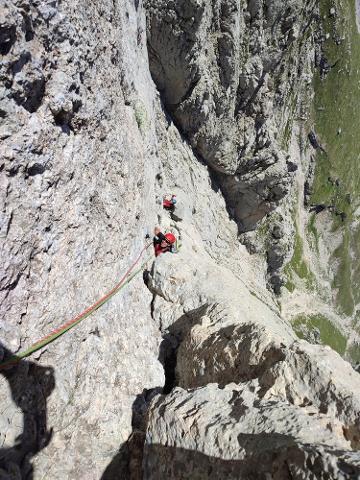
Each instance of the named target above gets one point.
<point>105,106</point>
<point>77,188</point>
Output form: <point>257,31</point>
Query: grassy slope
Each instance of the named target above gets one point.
<point>329,334</point>
<point>337,122</point>
<point>337,179</point>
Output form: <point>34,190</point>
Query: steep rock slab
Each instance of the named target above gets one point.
<point>201,210</point>
<point>191,280</point>
<point>75,199</point>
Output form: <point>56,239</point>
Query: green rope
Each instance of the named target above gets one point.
<point>37,346</point>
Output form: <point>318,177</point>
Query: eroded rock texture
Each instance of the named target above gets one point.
<point>75,171</point>
<point>303,416</point>
<point>231,433</point>
<point>195,374</point>
<point>228,72</point>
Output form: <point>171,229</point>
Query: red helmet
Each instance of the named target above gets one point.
<point>170,238</point>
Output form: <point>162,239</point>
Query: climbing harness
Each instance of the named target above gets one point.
<point>125,280</point>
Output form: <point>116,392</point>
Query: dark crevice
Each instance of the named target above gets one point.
<point>172,339</point>
<point>167,357</point>
<point>32,95</point>
<point>188,94</point>
<point>7,39</point>
<point>127,464</point>
<point>9,223</point>
<point>152,306</point>
<point>35,169</point>
<point>65,119</point>
<point>62,118</point>
<point>28,27</point>
<point>25,57</point>
<point>13,171</point>
<point>244,104</point>
<point>14,283</point>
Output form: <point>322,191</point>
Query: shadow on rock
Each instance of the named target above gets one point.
<point>172,339</point>
<point>279,456</point>
<point>127,463</point>
<point>30,386</point>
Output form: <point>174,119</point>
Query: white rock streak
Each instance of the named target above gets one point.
<point>357,9</point>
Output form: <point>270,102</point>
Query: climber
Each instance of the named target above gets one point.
<point>163,243</point>
<point>169,202</point>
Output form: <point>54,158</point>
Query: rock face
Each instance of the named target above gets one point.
<point>231,433</point>
<point>195,374</point>
<point>227,72</point>
<point>302,418</point>
<point>75,171</point>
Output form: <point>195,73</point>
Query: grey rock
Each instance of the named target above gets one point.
<point>216,341</point>
<point>87,151</point>
<point>314,141</point>
<point>29,86</point>
<point>231,433</point>
<point>217,69</point>
<point>72,221</point>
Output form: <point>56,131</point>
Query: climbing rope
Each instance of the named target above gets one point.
<point>125,280</point>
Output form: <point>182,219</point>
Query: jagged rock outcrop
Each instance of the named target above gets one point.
<point>225,333</point>
<point>213,433</point>
<point>228,73</point>
<point>303,416</point>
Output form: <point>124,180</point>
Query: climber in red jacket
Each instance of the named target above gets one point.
<point>169,202</point>
<point>163,243</point>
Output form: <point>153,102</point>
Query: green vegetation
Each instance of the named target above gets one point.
<point>353,352</point>
<point>141,116</point>
<point>336,114</point>
<point>289,285</point>
<point>299,266</point>
<point>313,233</point>
<point>329,334</point>
<point>263,229</point>
<point>343,279</point>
